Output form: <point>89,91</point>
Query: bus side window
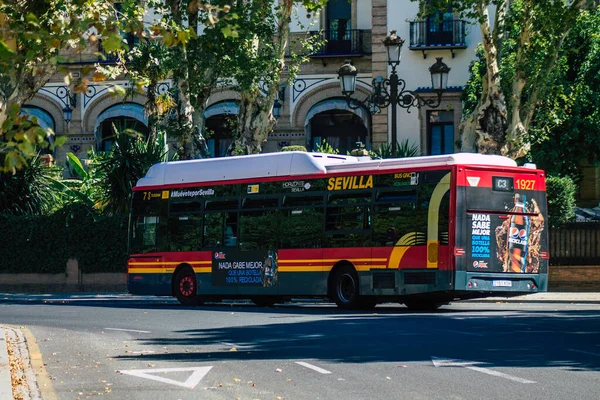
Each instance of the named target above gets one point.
<point>213,230</point>
<point>231,224</point>
<point>144,234</point>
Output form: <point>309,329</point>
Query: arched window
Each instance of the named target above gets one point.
<point>44,120</point>
<point>333,121</point>
<point>121,117</point>
<point>220,125</point>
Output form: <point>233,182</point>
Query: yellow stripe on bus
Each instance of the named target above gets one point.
<point>280,261</point>
<point>168,263</point>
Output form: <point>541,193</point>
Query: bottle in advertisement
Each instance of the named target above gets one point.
<point>518,236</point>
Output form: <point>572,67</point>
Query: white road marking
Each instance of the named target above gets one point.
<point>314,368</point>
<point>585,352</point>
<point>125,330</point>
<point>445,362</point>
<point>190,383</point>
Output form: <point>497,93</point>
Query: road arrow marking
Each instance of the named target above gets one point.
<point>472,365</point>
<point>191,382</point>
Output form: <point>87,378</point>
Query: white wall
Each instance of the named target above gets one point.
<point>414,69</point>
<point>363,14</point>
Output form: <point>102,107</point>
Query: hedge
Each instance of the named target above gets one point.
<point>44,244</point>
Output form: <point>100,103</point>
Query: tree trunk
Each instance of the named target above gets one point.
<point>255,123</point>
<point>191,142</point>
<point>485,129</point>
<point>255,118</point>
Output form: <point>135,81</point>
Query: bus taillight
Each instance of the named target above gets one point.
<point>545,255</point>
<point>459,251</point>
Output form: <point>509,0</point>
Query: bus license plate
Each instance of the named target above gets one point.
<point>502,283</point>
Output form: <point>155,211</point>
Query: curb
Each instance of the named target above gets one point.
<point>5,381</point>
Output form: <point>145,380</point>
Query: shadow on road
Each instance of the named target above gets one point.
<point>559,339</point>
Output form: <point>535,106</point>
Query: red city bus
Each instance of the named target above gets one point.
<point>421,231</point>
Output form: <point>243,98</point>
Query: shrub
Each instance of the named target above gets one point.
<point>293,148</point>
<point>44,243</point>
<point>561,199</point>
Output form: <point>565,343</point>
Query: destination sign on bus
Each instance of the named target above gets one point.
<point>350,182</point>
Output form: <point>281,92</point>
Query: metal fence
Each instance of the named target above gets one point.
<point>576,243</point>
<point>449,33</point>
<point>346,42</point>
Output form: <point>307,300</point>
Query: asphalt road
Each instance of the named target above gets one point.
<point>132,350</point>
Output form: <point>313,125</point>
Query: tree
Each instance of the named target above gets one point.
<point>264,35</point>
<point>520,53</point>
<point>30,191</point>
<point>118,170</point>
<point>565,131</point>
<point>35,37</point>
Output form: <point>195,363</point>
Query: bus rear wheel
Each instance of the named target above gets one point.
<point>185,287</point>
<point>345,288</point>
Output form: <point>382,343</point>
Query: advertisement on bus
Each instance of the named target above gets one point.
<point>506,229</point>
<point>245,268</point>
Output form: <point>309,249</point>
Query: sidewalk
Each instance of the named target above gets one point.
<point>5,382</point>
<point>546,297</point>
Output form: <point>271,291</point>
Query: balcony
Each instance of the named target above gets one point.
<point>443,35</point>
<point>349,43</point>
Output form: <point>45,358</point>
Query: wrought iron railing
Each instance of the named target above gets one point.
<point>344,42</point>
<point>576,243</point>
<point>447,33</point>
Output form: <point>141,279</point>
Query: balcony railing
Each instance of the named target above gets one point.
<point>448,34</point>
<point>344,43</point>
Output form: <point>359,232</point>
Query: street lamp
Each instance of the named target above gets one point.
<point>392,91</point>
<point>68,114</point>
<point>277,109</point>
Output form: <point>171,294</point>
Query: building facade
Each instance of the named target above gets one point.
<point>313,108</point>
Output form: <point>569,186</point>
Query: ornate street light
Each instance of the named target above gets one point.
<point>392,91</point>
<point>68,114</point>
<point>393,45</point>
<point>347,76</point>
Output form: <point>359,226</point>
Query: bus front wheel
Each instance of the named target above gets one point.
<point>345,288</point>
<point>185,287</point>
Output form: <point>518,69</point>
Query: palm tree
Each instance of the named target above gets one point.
<point>30,190</point>
<point>119,169</point>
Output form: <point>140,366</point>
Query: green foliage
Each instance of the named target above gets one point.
<point>36,39</point>
<point>522,47</point>
<point>21,138</point>
<point>30,190</point>
<point>474,87</point>
<point>46,242</point>
<point>566,129</point>
<point>561,199</point>
<point>118,170</point>
<point>403,149</point>
<point>325,147</point>
<point>293,148</point>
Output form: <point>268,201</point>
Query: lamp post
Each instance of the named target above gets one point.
<point>277,109</point>
<point>68,114</point>
<point>392,91</point>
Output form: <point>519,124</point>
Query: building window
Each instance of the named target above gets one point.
<point>440,132</point>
